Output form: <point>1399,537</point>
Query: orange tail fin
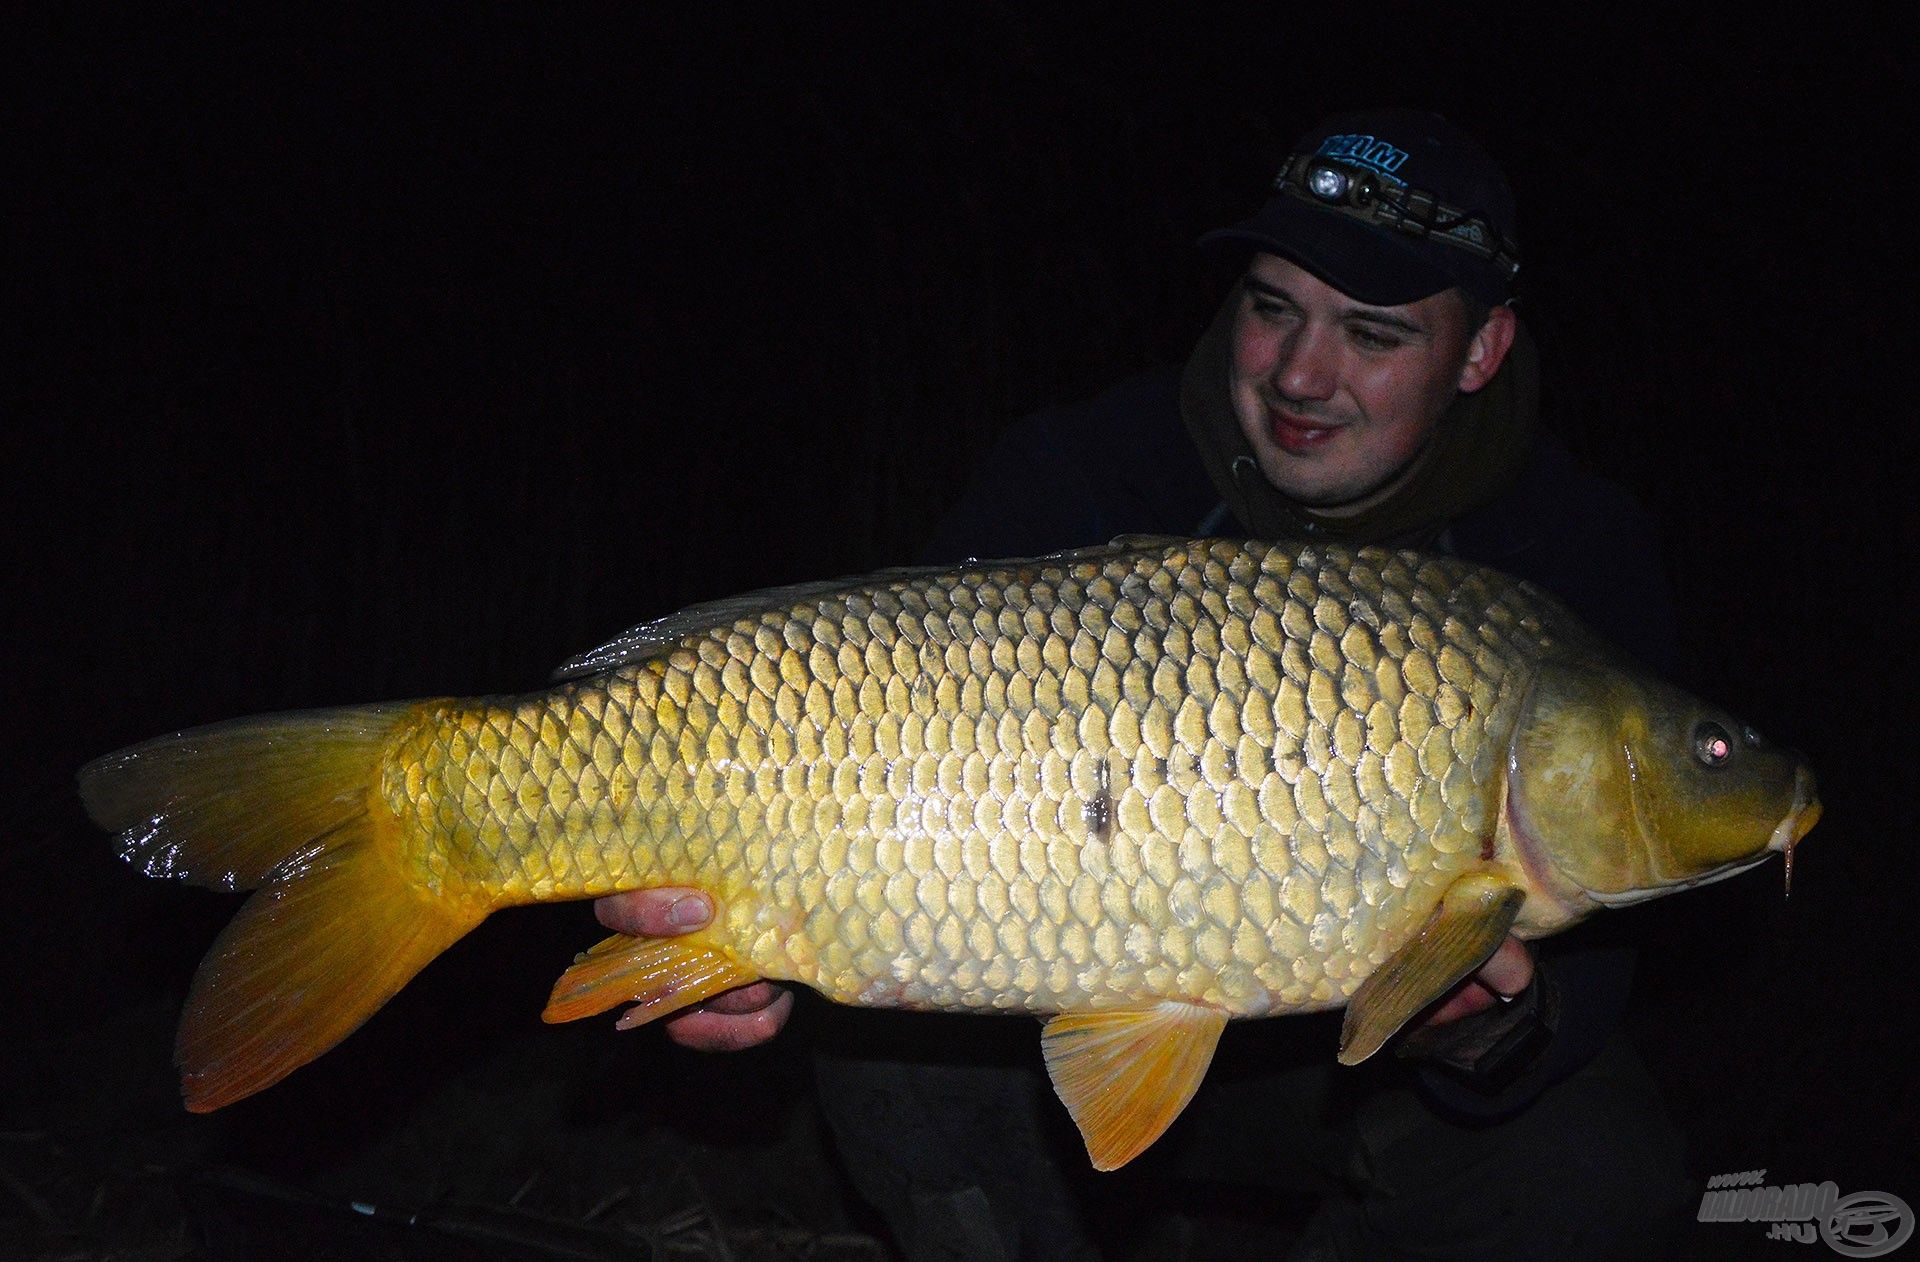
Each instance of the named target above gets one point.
<point>285,802</point>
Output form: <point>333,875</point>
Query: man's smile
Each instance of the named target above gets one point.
<point>1297,434</point>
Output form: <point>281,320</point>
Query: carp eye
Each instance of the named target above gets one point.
<point>1712,744</point>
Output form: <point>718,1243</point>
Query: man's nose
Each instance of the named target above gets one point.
<point>1306,368</point>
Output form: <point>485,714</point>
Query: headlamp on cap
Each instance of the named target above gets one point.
<point>1338,184</point>
<point>1353,190</point>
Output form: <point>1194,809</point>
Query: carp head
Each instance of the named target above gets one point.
<point>1627,788</point>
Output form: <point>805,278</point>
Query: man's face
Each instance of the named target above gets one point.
<point>1338,397</point>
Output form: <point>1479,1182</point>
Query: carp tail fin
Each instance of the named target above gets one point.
<point>286,805</point>
<point>227,804</point>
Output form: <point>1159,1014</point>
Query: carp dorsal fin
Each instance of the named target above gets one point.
<point>1139,543</point>
<point>660,975</point>
<point>1125,1073</point>
<point>1464,930</point>
<point>648,639</point>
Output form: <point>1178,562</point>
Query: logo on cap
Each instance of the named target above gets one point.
<point>1365,150</point>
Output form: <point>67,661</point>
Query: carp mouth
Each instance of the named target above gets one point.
<point>1627,898</point>
<point>1798,822</point>
<point>1795,824</point>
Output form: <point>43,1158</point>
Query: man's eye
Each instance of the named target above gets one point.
<point>1373,339</point>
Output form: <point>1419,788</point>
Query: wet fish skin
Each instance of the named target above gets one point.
<point>1225,774</point>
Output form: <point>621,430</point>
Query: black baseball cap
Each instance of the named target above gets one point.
<point>1389,206</point>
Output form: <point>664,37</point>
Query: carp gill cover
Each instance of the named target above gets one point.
<point>1138,789</point>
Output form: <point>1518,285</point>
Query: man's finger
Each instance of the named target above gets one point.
<point>655,913</point>
<point>744,999</point>
<point>1509,970</point>
<point>704,1030</point>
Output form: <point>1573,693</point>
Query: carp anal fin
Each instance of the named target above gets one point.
<point>660,975</point>
<point>1464,930</point>
<point>1126,1073</point>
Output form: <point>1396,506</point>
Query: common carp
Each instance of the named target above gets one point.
<point>1138,789</point>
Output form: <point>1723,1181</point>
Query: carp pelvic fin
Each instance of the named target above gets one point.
<point>662,975</point>
<point>1464,930</point>
<point>1126,1073</point>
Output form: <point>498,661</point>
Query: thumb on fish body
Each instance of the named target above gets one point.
<point>655,913</point>
<point>1507,972</point>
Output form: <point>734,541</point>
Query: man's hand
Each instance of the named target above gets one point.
<point>1505,1039</point>
<point>1507,972</point>
<point>729,1022</point>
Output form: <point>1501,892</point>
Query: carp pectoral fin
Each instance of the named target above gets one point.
<point>660,975</point>
<point>1126,1073</point>
<point>1468,926</point>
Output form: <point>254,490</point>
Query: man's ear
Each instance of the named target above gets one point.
<point>1487,350</point>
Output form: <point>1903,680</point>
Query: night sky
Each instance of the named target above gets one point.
<point>375,359</point>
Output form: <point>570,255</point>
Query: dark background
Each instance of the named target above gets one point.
<point>371,359</point>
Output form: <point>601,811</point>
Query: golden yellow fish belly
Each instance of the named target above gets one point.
<point>1230,774</point>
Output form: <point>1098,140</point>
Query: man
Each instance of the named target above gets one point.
<point>1366,381</point>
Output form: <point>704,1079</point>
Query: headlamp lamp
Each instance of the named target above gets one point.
<point>1331,183</point>
<point>1353,190</point>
